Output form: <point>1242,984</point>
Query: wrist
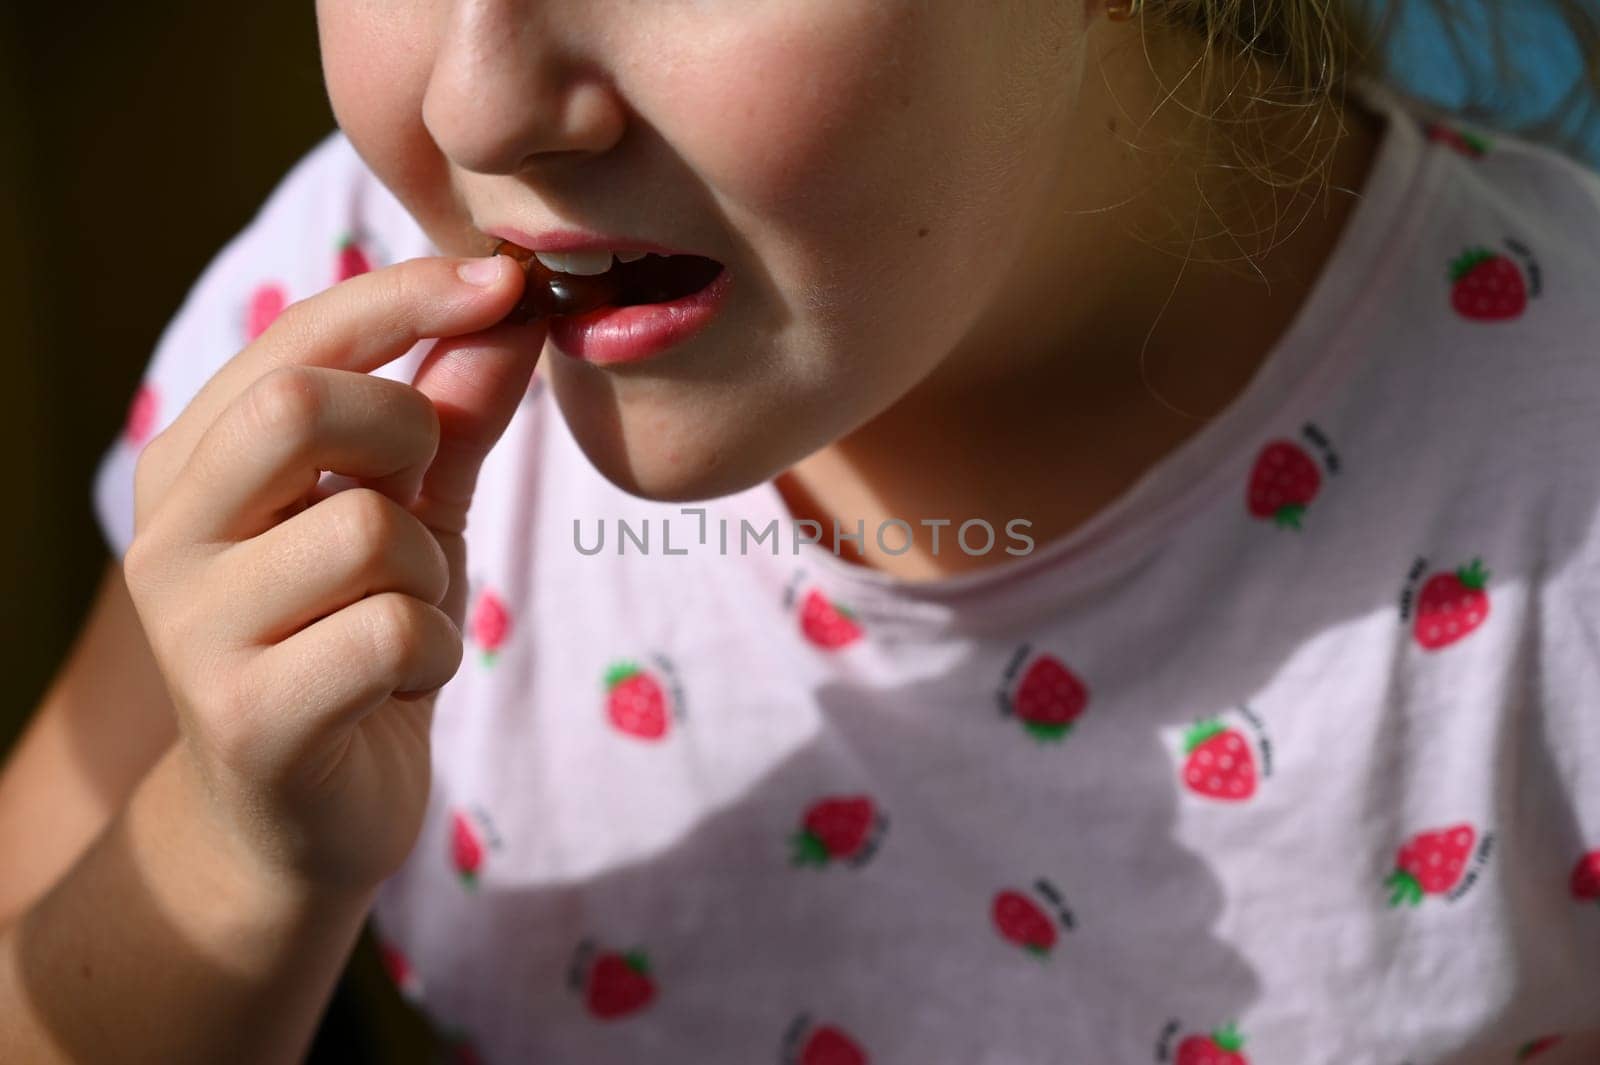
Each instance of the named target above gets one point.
<point>224,889</point>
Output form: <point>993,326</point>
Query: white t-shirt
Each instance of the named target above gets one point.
<point>1289,755</point>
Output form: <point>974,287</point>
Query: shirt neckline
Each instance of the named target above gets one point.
<point>1322,339</point>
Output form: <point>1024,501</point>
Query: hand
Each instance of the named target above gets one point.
<point>304,633</point>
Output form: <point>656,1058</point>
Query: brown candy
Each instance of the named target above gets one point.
<point>549,293</point>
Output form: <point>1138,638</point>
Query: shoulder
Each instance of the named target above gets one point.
<point>1534,190</point>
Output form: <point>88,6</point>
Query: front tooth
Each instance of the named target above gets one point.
<point>585,263</point>
<point>631,256</point>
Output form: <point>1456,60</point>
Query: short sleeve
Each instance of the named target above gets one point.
<point>328,219</point>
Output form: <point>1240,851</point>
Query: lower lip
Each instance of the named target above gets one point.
<point>612,335</point>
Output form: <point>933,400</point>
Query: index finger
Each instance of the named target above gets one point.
<point>358,324</point>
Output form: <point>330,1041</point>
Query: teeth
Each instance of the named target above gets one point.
<point>586,263</point>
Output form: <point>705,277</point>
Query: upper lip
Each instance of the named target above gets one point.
<point>570,240</point>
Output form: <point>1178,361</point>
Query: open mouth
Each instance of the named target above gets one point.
<point>661,279</point>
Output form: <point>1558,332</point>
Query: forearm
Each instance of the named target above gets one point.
<point>159,946</point>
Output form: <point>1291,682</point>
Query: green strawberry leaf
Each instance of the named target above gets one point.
<point>1045,732</point>
<point>1468,261</point>
<point>1404,888</point>
<point>1201,731</point>
<point>1475,142</point>
<point>1037,951</point>
<point>808,850</point>
<point>637,961</point>
<point>1288,515</point>
<point>619,672</point>
<point>1228,1038</point>
<point>1473,575</point>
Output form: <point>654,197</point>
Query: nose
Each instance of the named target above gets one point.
<point>512,84</point>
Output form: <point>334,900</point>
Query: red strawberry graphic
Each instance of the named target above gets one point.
<point>1463,141</point>
<point>827,624</point>
<point>1451,605</point>
<point>141,417</point>
<point>1049,699</point>
<point>1430,864</point>
<point>635,701</point>
<point>398,966</point>
<point>1284,481</point>
<point>489,624</point>
<point>832,828</point>
<point>830,1046</point>
<point>1536,1046</point>
<point>1586,878</point>
<point>352,259</point>
<point>1021,920</point>
<point>466,848</point>
<point>266,303</point>
<point>1487,286</point>
<point>619,984</point>
<point>1220,764</point>
<point>1221,1047</point>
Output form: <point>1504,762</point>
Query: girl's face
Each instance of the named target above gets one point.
<point>878,177</point>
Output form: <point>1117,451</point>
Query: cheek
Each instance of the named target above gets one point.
<point>782,112</point>
<point>376,79</point>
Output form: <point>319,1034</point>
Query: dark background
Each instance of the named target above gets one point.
<point>157,126</point>
<point>160,126</point>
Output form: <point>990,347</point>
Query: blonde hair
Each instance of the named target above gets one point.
<point>1265,81</point>
<point>1298,55</point>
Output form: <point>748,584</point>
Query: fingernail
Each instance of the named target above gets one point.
<point>482,272</point>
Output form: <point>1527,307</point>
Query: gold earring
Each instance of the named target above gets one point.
<point>1122,10</point>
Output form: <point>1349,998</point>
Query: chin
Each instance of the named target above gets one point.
<point>695,470</point>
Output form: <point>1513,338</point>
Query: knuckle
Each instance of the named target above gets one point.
<point>364,521</point>
<point>286,401</point>
<point>393,629</point>
<point>228,726</point>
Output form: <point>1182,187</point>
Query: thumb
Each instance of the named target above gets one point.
<point>476,383</point>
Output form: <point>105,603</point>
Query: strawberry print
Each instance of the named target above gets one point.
<point>830,1046</point>
<point>466,848</point>
<point>619,984</point>
<point>398,966</point>
<point>1467,143</point>
<point>1487,286</point>
<point>827,624</point>
<point>1451,605</point>
<point>1023,922</point>
<point>1049,699</point>
<point>266,303</point>
<point>837,828</point>
<point>141,416</point>
<point>352,259</point>
<point>1431,863</point>
<point>1221,1047</point>
<point>1284,481</point>
<point>1585,880</point>
<point>635,701</point>
<point>1536,1046</point>
<point>1220,764</point>
<point>489,624</point>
